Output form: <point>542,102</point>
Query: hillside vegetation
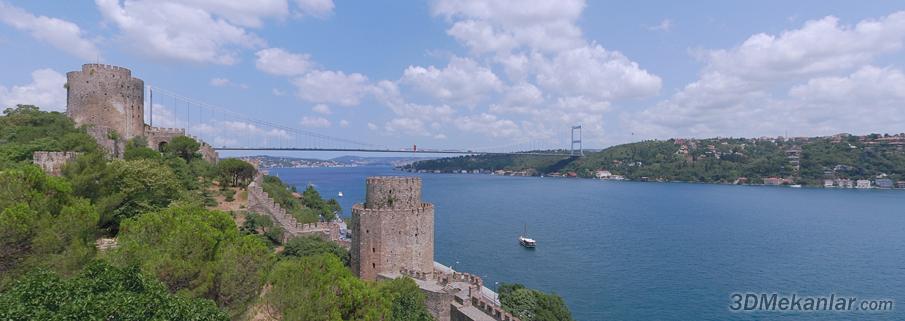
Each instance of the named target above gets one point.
<point>717,160</point>
<point>174,258</point>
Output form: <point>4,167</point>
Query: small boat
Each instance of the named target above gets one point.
<point>525,241</point>
<point>795,186</point>
<point>340,194</point>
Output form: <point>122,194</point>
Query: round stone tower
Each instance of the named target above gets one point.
<point>393,229</point>
<point>107,97</point>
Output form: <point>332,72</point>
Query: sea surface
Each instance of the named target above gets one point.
<point>659,251</point>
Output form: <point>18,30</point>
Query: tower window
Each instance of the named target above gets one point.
<point>373,250</point>
<point>373,265</point>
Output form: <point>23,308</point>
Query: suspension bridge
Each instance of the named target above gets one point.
<point>227,130</point>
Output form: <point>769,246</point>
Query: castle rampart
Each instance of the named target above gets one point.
<point>260,202</point>
<point>52,162</point>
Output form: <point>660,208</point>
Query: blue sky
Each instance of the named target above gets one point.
<point>480,73</point>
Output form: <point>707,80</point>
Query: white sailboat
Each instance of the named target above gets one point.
<point>525,241</point>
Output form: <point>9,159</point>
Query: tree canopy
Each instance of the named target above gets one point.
<point>533,305</point>
<point>100,292</point>
<point>235,172</point>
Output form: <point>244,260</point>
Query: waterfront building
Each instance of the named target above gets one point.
<point>827,183</point>
<point>883,183</point>
<point>863,183</point>
<point>603,174</point>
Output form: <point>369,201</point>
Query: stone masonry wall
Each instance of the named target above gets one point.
<point>106,96</point>
<point>107,140</point>
<point>52,162</point>
<point>393,229</point>
<point>260,202</point>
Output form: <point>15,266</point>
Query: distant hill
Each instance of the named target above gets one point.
<point>342,161</point>
<point>378,161</point>
<point>800,160</point>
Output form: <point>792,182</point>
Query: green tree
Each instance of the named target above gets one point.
<point>195,252</point>
<point>137,148</point>
<point>312,245</point>
<point>41,224</point>
<point>184,147</point>
<point>407,300</point>
<point>235,172</point>
<point>320,288</point>
<point>25,129</point>
<point>100,292</point>
<point>533,305</point>
<point>136,187</point>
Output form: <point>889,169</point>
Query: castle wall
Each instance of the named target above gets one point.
<point>106,96</point>
<point>157,135</point>
<point>393,230</point>
<point>52,162</point>
<point>260,202</point>
<point>114,146</point>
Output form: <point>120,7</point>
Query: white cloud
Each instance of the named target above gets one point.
<point>665,25</point>
<point>372,126</point>
<point>462,81</point>
<point>408,126</point>
<point>343,123</point>
<point>332,87</point>
<point>190,31</point>
<point>225,82</point>
<point>489,125</point>
<point>593,71</point>
<point>280,62</point>
<point>321,109</point>
<point>62,34</point>
<point>554,77</point>
<point>164,117</point>
<point>45,90</point>
<point>791,82</point>
<point>219,82</point>
<point>819,46</point>
<point>315,122</point>
<point>316,8</point>
<point>277,92</point>
<point>536,24</point>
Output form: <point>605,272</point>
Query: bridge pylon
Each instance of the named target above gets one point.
<point>580,151</point>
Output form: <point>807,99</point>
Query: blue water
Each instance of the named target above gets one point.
<point>659,251</point>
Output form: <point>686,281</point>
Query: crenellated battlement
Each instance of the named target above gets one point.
<point>393,192</point>
<point>109,68</point>
<point>162,130</point>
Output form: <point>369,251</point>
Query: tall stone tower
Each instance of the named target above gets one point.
<point>107,97</point>
<point>393,229</point>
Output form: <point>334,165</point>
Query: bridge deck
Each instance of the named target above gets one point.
<point>366,150</point>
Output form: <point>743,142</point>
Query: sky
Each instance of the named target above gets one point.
<point>479,73</point>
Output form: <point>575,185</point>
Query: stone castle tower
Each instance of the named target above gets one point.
<point>106,97</point>
<point>393,229</point>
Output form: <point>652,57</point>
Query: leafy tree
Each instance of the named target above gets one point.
<point>137,148</point>
<point>100,292</point>
<point>320,288</point>
<point>235,172</point>
<point>533,305</point>
<point>41,224</point>
<point>184,147</point>
<point>136,187</point>
<point>407,300</point>
<point>195,252</point>
<point>262,225</point>
<point>313,245</point>
<point>25,129</point>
